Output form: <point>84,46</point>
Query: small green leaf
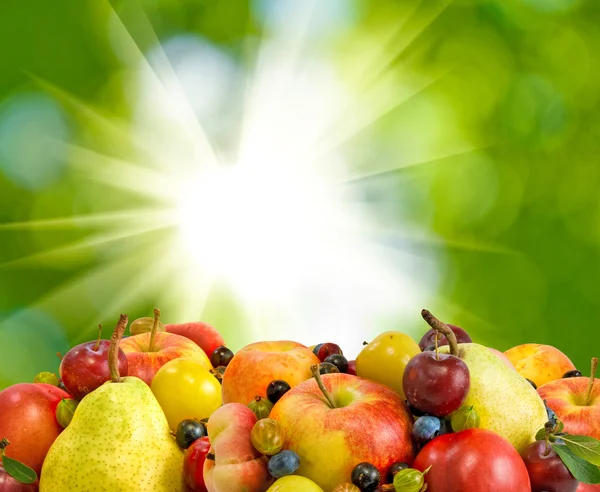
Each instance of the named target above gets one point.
<point>585,447</point>
<point>582,470</point>
<point>18,470</point>
<point>541,435</point>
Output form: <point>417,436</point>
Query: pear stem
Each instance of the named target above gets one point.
<point>588,398</point>
<point>317,375</point>
<point>97,346</point>
<point>443,328</point>
<point>154,329</point>
<point>113,350</point>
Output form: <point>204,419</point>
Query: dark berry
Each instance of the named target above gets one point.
<point>221,356</point>
<point>415,411</point>
<point>276,389</point>
<point>188,431</point>
<point>445,427</point>
<point>572,374</point>
<point>327,368</point>
<point>426,428</point>
<point>317,348</point>
<point>339,361</point>
<point>395,468</point>
<point>283,463</point>
<point>327,349</point>
<point>366,477</point>
<point>532,383</point>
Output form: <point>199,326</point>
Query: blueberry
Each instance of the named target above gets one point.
<point>188,431</point>
<point>426,428</point>
<point>365,476</point>
<point>283,463</point>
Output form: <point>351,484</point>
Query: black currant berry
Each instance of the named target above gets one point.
<point>276,389</point>
<point>572,374</point>
<point>339,361</point>
<point>366,477</point>
<point>395,468</point>
<point>328,368</point>
<point>221,356</point>
<point>188,431</point>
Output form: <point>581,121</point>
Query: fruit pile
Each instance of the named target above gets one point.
<point>169,408</point>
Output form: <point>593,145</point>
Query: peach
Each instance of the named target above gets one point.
<point>236,465</point>
<point>202,334</point>
<point>539,363</point>
<point>256,365</point>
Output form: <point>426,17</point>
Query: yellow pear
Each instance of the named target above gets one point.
<point>118,441</point>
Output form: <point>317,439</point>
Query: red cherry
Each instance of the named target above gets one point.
<point>547,471</point>
<point>436,385</point>
<point>327,349</point>
<point>428,340</point>
<point>85,367</point>
<point>193,464</point>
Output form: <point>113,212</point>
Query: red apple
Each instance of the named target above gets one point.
<point>146,355</point>
<point>10,484</point>
<point>359,420</point>
<point>256,365</point>
<point>576,401</point>
<point>473,460</point>
<point>28,421</point>
<point>203,334</point>
<point>85,367</point>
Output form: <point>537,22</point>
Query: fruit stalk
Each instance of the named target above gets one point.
<point>443,328</point>
<point>588,398</point>
<point>317,375</point>
<point>113,351</point>
<point>97,346</point>
<point>154,329</point>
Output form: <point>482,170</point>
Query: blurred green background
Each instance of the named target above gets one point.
<point>466,135</point>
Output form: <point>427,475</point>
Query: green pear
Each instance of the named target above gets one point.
<point>505,401</point>
<point>118,441</point>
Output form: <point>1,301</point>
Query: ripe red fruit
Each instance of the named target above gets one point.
<point>10,484</point>
<point>193,464</point>
<point>85,367</point>
<point>547,472</point>
<point>436,385</point>
<point>473,460</point>
<point>327,349</point>
<point>428,340</point>
<point>352,367</point>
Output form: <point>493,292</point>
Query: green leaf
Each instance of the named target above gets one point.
<point>582,470</point>
<point>18,470</point>
<point>585,447</point>
<point>541,435</point>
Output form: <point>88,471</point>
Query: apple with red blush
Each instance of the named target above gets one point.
<point>85,367</point>
<point>28,421</point>
<point>202,334</point>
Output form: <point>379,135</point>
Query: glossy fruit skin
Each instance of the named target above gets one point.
<point>221,356</point>
<point>408,480</point>
<point>436,386</point>
<point>351,367</point>
<point>328,368</point>
<point>261,407</point>
<point>426,428</point>
<point>276,389</point>
<point>547,473</point>
<point>327,349</point>
<point>395,468</point>
<point>188,431</point>
<point>366,477</point>
<point>65,411</point>
<point>428,340</point>
<point>267,436</point>
<point>28,421</point>
<point>10,484</point>
<point>83,369</point>
<point>283,463</point>
<point>186,390</point>
<point>339,361</point>
<point>193,464</point>
<point>473,460</point>
<point>575,373</point>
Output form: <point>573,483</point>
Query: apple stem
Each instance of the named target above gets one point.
<point>97,346</point>
<point>154,329</point>
<point>592,378</point>
<point>443,328</point>
<point>113,351</point>
<point>317,375</point>
<point>59,355</point>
